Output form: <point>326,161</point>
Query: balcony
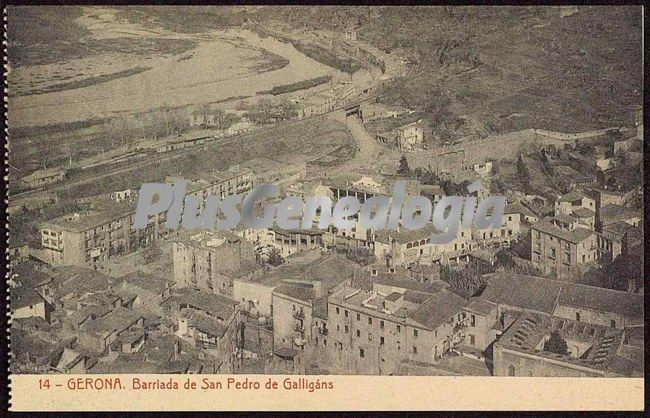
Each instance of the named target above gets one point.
<point>322,330</point>
<point>298,326</point>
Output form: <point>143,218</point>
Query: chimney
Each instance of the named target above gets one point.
<point>394,301</point>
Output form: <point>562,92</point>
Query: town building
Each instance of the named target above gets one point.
<point>410,137</point>
<point>574,201</point>
<point>371,330</point>
<point>42,178</point>
<point>593,350</point>
<point>208,260</point>
<point>208,321</point>
<point>28,303</point>
<point>588,304</point>
<point>559,245</point>
<point>302,296</point>
<point>104,230</point>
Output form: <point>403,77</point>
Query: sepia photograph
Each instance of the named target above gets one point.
<point>285,195</point>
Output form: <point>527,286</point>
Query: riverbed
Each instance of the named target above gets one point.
<point>224,65</point>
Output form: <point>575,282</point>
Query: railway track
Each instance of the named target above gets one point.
<point>19,198</point>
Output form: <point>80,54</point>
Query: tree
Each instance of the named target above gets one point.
<point>556,344</point>
<point>274,257</point>
<point>403,169</point>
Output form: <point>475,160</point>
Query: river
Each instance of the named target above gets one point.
<point>217,70</point>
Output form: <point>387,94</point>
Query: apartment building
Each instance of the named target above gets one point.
<point>405,247</point>
<point>208,260</point>
<point>372,330</point>
<point>301,295</point>
<point>105,229</point>
<point>559,244</point>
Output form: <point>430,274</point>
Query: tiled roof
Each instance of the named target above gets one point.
<point>629,305</point>
<point>295,290</point>
<point>518,290</point>
<point>438,309</point>
<point>575,236</point>
<point>215,305</point>
<point>527,332</point>
<point>480,306</point>
<point>206,324</point>
<point>541,294</point>
<point>24,296</point>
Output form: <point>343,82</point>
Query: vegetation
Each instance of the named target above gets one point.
<point>328,58</point>
<point>300,85</point>
<point>152,253</point>
<point>403,169</point>
<point>273,257</point>
<point>361,255</point>
<point>60,38</point>
<point>466,282</point>
<point>84,82</point>
<point>556,344</point>
<point>267,110</point>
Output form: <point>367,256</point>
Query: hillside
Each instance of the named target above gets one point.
<point>498,69</point>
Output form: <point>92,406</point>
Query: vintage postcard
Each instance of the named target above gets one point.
<point>325,208</point>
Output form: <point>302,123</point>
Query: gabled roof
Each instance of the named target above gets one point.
<point>530,292</point>
<point>438,309</point>
<point>575,235</point>
<point>629,305</point>
<point>24,296</point>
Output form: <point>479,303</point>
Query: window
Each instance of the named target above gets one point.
<point>511,370</point>
<point>337,310</point>
<point>338,328</point>
<point>346,313</point>
<point>472,320</point>
<point>369,321</point>
<point>553,254</point>
<point>381,340</point>
<point>415,350</point>
<point>472,340</point>
<point>612,323</point>
<point>415,333</point>
<point>399,345</point>
<point>358,317</point>
<point>567,257</point>
<point>399,328</point>
<point>369,336</point>
<point>578,316</point>
<point>346,329</point>
<point>361,353</point>
<point>358,333</point>
<point>381,324</point>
